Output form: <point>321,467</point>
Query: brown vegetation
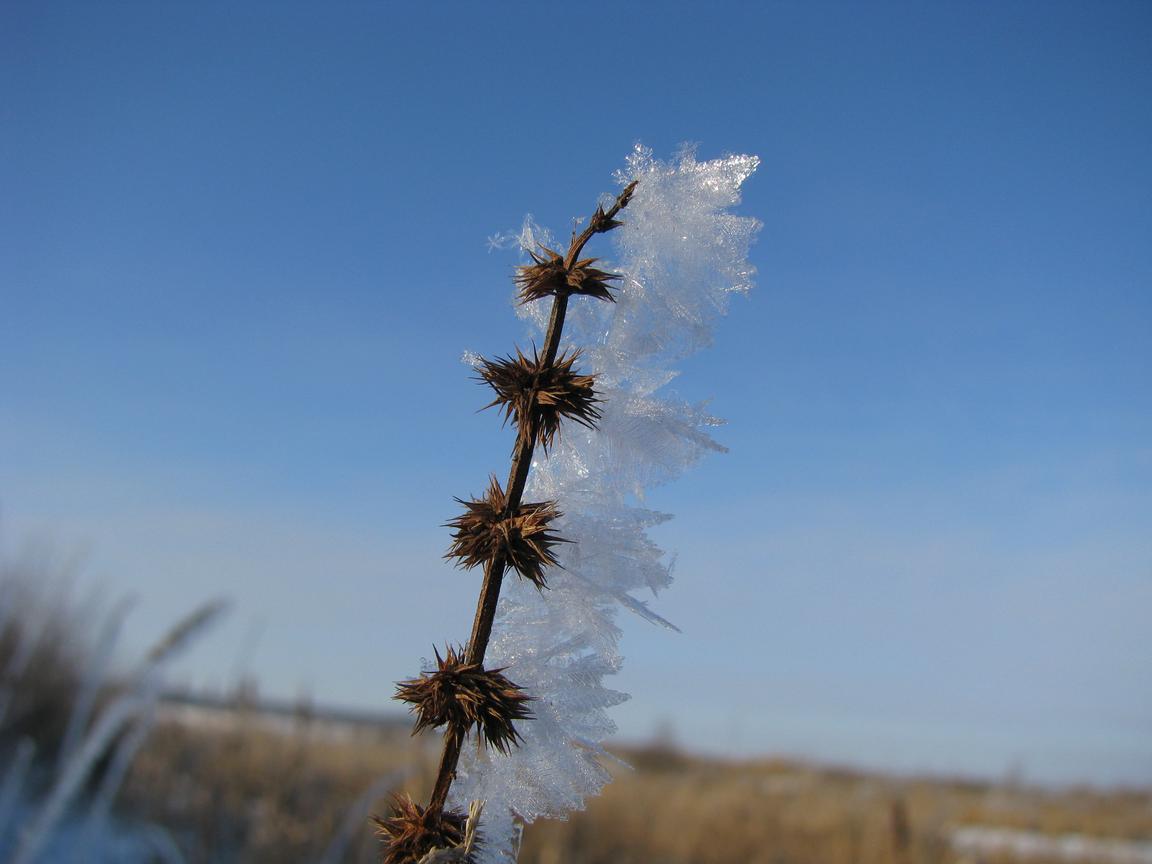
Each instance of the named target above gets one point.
<point>237,784</point>
<point>280,795</point>
<point>500,531</point>
<point>41,653</point>
<point>244,788</point>
<point>694,811</point>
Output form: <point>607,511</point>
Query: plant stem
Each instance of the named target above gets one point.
<point>517,479</point>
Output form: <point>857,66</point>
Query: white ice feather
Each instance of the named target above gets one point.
<point>682,255</point>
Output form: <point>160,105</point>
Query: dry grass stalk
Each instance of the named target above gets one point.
<point>499,531</point>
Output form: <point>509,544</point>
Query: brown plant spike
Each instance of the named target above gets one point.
<point>548,276</point>
<point>411,832</point>
<point>460,694</point>
<point>537,397</point>
<point>483,533</point>
<point>498,530</point>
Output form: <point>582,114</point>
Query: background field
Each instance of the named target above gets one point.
<point>237,778</point>
<point>280,795</point>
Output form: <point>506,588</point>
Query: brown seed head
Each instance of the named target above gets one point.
<point>548,275</point>
<point>484,531</point>
<point>460,694</point>
<point>411,832</point>
<point>602,222</point>
<point>536,397</point>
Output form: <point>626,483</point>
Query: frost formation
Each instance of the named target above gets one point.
<point>682,254</point>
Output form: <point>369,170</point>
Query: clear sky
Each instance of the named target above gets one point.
<point>242,247</point>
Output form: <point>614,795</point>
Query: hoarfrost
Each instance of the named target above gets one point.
<point>681,254</point>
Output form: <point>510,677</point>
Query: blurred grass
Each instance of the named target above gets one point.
<point>279,794</point>
<point>242,790</point>
<point>780,812</point>
<point>43,643</point>
<point>238,784</point>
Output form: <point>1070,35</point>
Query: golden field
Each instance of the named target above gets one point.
<point>242,788</point>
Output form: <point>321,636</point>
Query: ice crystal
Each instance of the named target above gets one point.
<point>681,254</point>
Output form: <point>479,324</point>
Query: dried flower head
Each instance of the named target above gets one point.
<point>459,694</point>
<point>602,221</point>
<point>411,832</point>
<point>547,275</point>
<point>484,531</point>
<point>536,397</point>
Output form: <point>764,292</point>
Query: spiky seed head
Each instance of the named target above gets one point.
<point>602,222</point>
<point>544,276</point>
<point>547,275</point>
<point>459,695</point>
<point>537,397</point>
<point>410,832</point>
<point>485,530</point>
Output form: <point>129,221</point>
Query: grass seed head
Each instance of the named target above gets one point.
<point>484,532</point>
<point>537,397</point>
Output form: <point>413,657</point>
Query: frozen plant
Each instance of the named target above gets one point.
<point>135,705</point>
<point>73,725</point>
<point>582,548</point>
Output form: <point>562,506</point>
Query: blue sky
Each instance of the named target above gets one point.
<point>244,248</point>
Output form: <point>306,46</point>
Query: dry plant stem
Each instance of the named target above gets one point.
<point>517,479</point>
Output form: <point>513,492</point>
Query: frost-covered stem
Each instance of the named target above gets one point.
<point>113,719</point>
<point>494,571</point>
<point>517,480</point>
<point>139,698</point>
<point>14,779</point>
<point>93,679</point>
